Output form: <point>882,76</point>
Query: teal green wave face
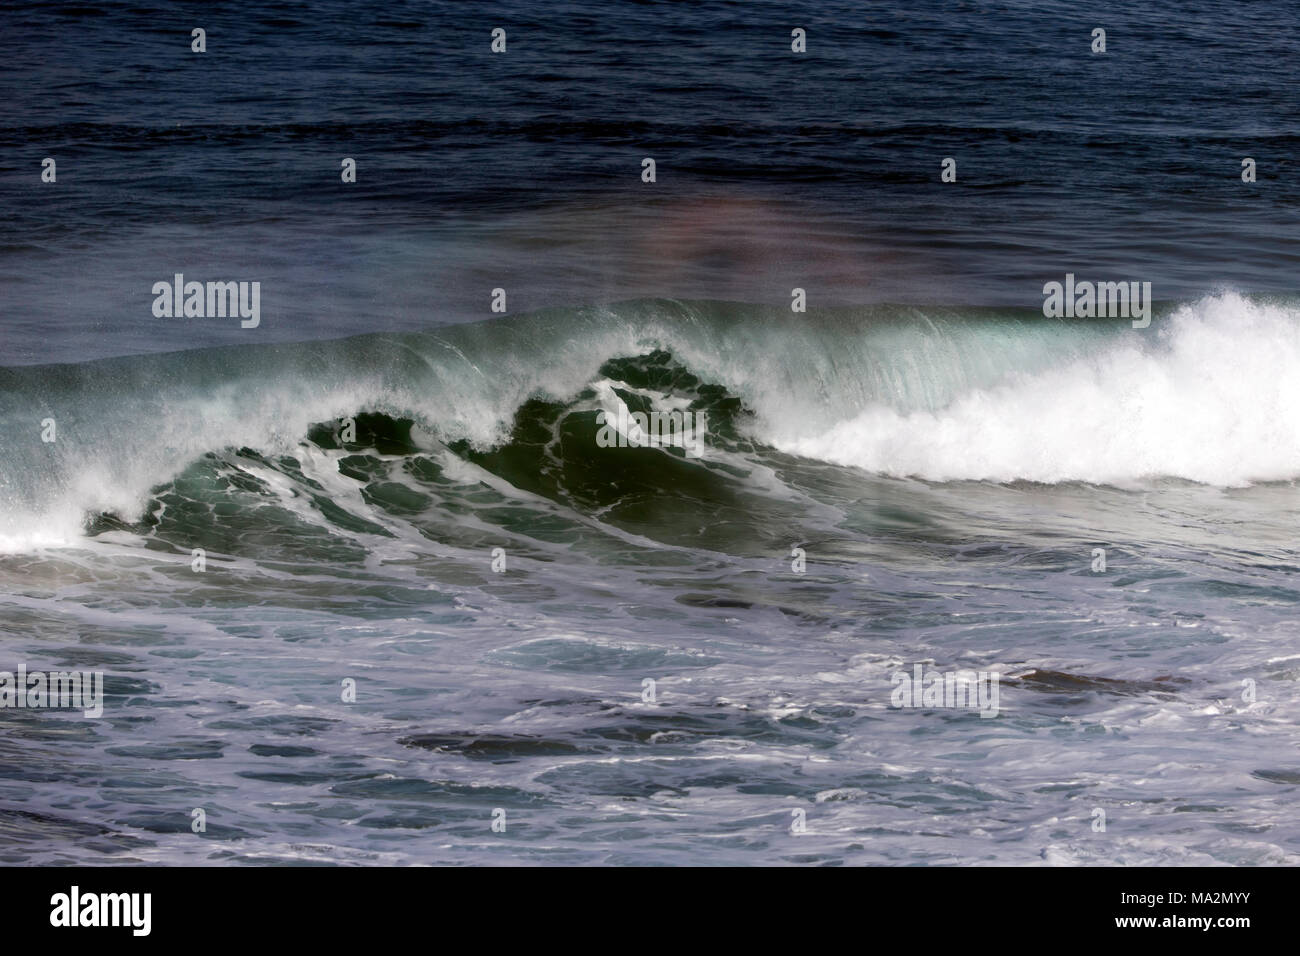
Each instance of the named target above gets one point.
<point>941,394</point>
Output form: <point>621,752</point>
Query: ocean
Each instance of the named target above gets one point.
<point>379,573</point>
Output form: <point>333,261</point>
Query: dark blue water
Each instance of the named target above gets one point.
<point>522,170</point>
<point>390,484</point>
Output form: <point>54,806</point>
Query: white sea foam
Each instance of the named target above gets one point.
<point>1215,398</point>
<point>1209,394</point>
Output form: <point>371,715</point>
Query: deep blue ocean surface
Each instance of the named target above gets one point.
<point>386,486</point>
<point>522,170</point>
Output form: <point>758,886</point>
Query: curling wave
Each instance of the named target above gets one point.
<point>1209,393</point>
